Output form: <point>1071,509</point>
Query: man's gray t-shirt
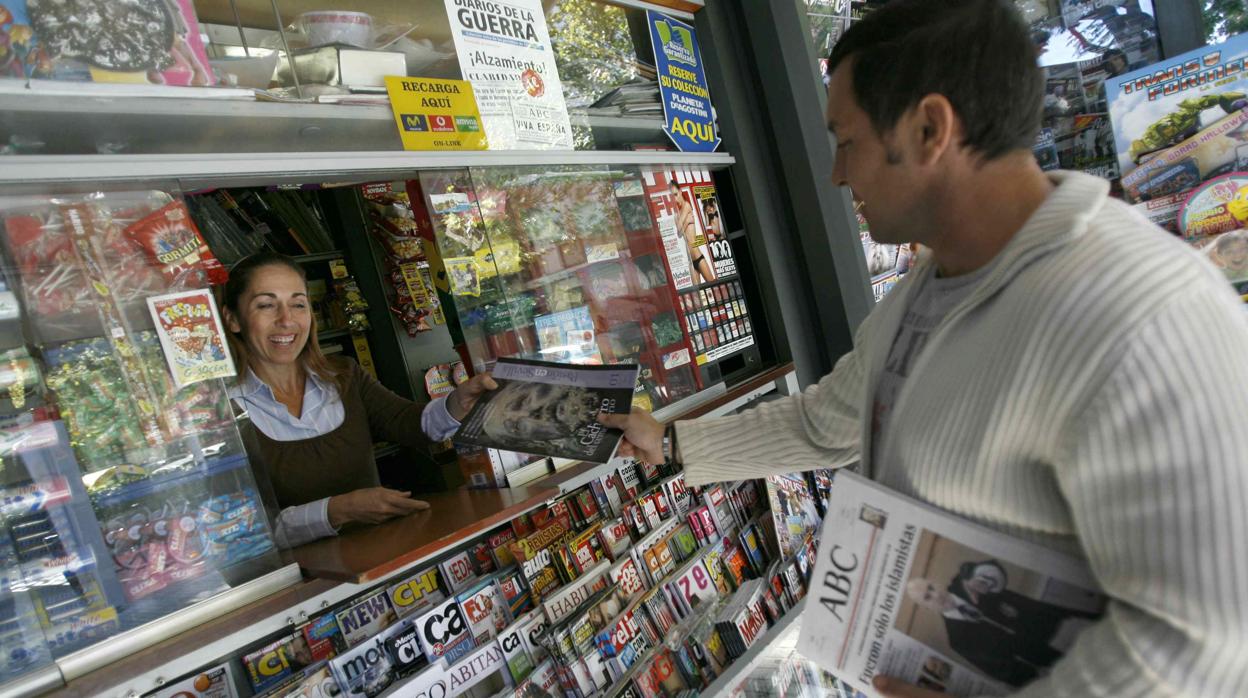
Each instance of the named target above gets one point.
<point>932,302</point>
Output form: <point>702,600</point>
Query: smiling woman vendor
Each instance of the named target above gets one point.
<point>315,418</point>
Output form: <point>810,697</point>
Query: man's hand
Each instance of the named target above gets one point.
<point>643,435</point>
<point>896,688</point>
<point>372,505</point>
<point>460,402</point>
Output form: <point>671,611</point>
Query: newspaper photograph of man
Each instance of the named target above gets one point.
<point>1009,622</point>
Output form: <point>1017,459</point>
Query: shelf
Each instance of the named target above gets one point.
<point>318,257</point>
<point>370,553</point>
<point>737,671</point>
<point>194,171</point>
<point>153,485</point>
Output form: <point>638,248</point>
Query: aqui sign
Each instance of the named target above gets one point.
<point>687,115</point>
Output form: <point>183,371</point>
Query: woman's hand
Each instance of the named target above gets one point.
<point>371,505</point>
<point>643,435</point>
<point>460,402</point>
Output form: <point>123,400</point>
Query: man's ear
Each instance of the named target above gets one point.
<point>938,127</point>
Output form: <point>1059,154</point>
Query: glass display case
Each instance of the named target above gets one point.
<point>125,493</point>
<point>590,265</point>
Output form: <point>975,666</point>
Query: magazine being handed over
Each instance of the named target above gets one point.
<point>905,590</point>
<point>551,409</point>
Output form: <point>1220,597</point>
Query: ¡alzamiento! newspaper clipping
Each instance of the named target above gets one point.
<point>905,590</point>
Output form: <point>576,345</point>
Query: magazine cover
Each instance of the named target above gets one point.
<point>684,203</point>
<point>551,409</point>
<point>903,589</point>
<point>1165,103</point>
<point>793,508</point>
<point>191,336</point>
<point>316,681</point>
<point>216,682</point>
<point>485,610</point>
<point>415,593</point>
<point>364,671</point>
<point>568,336</point>
<point>365,618</point>
<point>444,632</point>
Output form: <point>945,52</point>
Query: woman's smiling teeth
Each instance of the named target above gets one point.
<point>283,340</point>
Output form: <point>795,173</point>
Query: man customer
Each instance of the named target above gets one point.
<point>1015,378</point>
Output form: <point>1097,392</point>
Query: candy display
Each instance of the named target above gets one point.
<point>56,283</point>
<point>392,223</point>
<point>353,303</point>
<point>154,547</point>
<point>173,243</point>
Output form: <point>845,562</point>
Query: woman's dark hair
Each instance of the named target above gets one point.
<point>978,54</point>
<point>241,274</point>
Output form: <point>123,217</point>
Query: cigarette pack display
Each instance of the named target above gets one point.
<point>485,610</point>
<point>365,618</point>
<point>458,572</point>
<point>365,670</point>
<point>415,593</point>
<point>444,632</point>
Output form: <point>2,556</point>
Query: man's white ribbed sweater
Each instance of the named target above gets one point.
<point>1090,395</point>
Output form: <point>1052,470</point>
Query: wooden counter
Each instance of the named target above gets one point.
<point>370,553</point>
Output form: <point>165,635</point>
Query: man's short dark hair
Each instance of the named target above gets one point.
<point>977,53</point>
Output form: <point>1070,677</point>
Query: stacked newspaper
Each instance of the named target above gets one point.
<point>905,590</point>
